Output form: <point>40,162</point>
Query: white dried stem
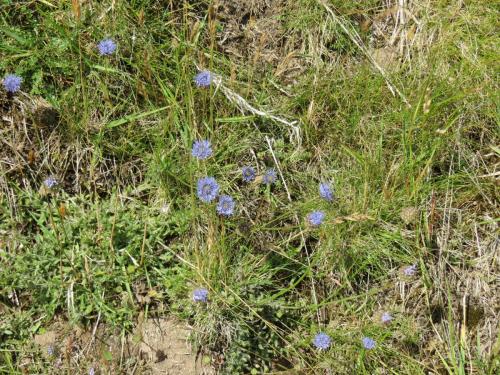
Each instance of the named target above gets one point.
<point>246,107</point>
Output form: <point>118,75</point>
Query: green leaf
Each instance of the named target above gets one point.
<point>234,119</point>
<point>107,355</point>
<point>134,117</point>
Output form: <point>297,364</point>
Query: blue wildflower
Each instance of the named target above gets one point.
<point>322,341</point>
<point>226,205</point>
<point>12,83</point>
<point>316,218</point>
<point>248,174</point>
<point>50,182</point>
<point>368,343</point>
<point>91,371</point>
<point>203,79</point>
<point>50,350</point>
<point>201,149</point>
<point>106,47</point>
<point>386,317</point>
<point>325,191</point>
<point>269,177</point>
<point>410,270</point>
<point>208,189</point>
<point>200,295</point>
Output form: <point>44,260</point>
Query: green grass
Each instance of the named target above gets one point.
<point>125,235</point>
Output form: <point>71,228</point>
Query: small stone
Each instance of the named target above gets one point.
<point>409,215</point>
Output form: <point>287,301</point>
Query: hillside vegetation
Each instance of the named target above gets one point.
<point>370,214</point>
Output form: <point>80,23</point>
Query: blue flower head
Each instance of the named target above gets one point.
<point>322,341</point>
<point>50,350</point>
<point>325,191</point>
<point>226,205</point>
<point>410,270</point>
<point>315,218</point>
<point>207,189</point>
<point>269,177</point>
<point>91,371</point>
<point>386,318</point>
<point>248,174</point>
<point>200,295</point>
<point>12,83</point>
<point>106,47</point>
<point>201,149</point>
<point>50,182</point>
<point>368,343</point>
<point>203,79</point>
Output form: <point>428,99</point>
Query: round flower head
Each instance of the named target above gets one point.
<point>91,371</point>
<point>12,83</point>
<point>322,341</point>
<point>200,295</point>
<point>203,79</point>
<point>226,205</point>
<point>50,182</point>
<point>106,47</point>
<point>325,191</point>
<point>208,189</point>
<point>201,149</point>
<point>269,177</point>
<point>315,218</point>
<point>386,318</point>
<point>410,270</point>
<point>368,343</point>
<point>248,174</point>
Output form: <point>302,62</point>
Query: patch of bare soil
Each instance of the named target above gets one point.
<point>164,346</point>
<point>157,346</point>
<point>46,339</point>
